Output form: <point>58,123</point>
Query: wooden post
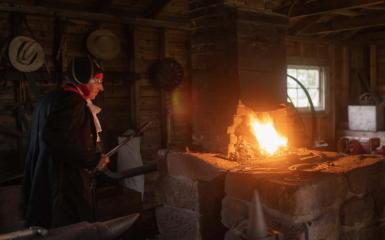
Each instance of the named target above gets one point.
<point>57,51</point>
<point>16,21</point>
<point>165,97</point>
<point>373,68</point>
<point>130,33</point>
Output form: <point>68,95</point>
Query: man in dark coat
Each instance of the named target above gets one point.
<point>62,147</point>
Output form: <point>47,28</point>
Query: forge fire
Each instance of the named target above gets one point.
<point>257,135</point>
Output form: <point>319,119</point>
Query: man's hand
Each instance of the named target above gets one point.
<point>103,162</point>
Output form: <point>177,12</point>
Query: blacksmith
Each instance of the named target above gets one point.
<point>62,147</point>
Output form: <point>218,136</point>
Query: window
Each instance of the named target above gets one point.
<point>312,78</point>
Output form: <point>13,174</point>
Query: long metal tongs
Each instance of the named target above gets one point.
<point>137,133</point>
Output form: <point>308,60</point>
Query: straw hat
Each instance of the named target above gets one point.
<point>103,44</point>
<point>25,54</point>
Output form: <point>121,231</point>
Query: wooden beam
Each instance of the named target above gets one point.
<point>348,24</point>
<point>326,6</point>
<point>348,35</point>
<point>154,8</point>
<point>92,16</point>
<point>37,2</point>
<point>100,7</point>
<point>303,25</point>
<point>347,12</point>
<point>65,6</point>
<point>379,7</point>
<point>103,5</point>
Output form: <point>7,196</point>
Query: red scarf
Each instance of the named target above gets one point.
<point>80,89</point>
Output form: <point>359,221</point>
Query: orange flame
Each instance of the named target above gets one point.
<point>269,140</point>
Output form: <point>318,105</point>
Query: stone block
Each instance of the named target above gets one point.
<point>183,224</point>
<point>241,184</point>
<point>196,195</point>
<point>367,179</point>
<point>325,226</point>
<point>233,235</point>
<point>371,232</point>
<point>178,191</point>
<point>189,193</point>
<point>177,224</point>
<point>234,211</point>
<point>301,196</point>
<point>238,232</point>
<point>357,211</point>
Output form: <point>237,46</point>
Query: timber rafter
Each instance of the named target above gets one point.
<point>346,24</point>
<point>326,6</point>
<point>92,16</point>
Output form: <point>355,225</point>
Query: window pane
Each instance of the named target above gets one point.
<point>292,93</point>
<point>291,83</point>
<point>292,72</point>
<point>310,78</point>
<point>302,99</point>
<point>302,76</point>
<point>314,94</point>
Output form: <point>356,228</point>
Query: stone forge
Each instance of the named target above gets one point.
<point>321,195</point>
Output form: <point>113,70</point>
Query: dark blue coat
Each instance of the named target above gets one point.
<point>62,145</point>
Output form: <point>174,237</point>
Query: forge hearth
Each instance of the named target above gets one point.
<point>254,136</point>
<point>322,194</point>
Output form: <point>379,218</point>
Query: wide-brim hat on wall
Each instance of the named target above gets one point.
<point>103,44</point>
<point>25,54</point>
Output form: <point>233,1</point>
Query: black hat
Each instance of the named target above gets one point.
<point>82,69</point>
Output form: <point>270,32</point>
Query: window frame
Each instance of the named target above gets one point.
<point>322,86</point>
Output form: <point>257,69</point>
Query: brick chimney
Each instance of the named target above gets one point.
<point>238,53</point>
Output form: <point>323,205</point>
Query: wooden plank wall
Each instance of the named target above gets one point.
<point>371,58</point>
<point>129,98</point>
<point>380,55</point>
<point>149,43</point>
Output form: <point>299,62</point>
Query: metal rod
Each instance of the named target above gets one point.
<point>129,137</point>
<point>313,117</point>
<point>132,172</point>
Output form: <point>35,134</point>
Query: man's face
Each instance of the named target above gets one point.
<point>95,85</point>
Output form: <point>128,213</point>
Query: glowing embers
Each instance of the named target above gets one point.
<point>258,136</point>
<point>270,142</point>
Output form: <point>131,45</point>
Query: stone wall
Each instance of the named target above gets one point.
<point>326,196</point>
<point>191,191</point>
